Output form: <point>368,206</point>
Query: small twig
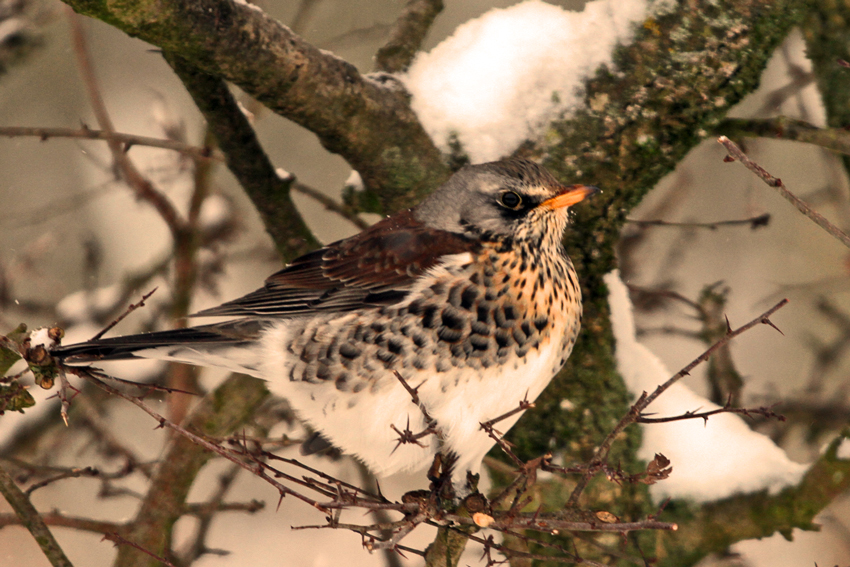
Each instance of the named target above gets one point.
<point>408,437</point>
<point>327,477</point>
<point>71,473</point>
<point>60,520</point>
<point>498,437</point>
<point>431,426</point>
<point>149,387</point>
<point>130,308</point>
<point>62,394</point>
<point>784,128</point>
<point>127,140</point>
<point>118,539</point>
<point>737,154</point>
<point>333,205</point>
<point>753,222</point>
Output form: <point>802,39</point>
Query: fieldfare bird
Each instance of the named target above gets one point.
<point>469,296</point>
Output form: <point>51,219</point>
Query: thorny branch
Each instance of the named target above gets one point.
<point>765,412</point>
<point>645,399</point>
<point>341,495</point>
<point>426,506</point>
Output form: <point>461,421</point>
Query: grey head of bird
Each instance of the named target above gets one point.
<point>509,200</point>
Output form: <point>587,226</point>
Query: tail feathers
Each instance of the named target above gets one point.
<point>229,345</point>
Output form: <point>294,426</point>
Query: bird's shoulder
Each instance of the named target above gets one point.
<point>391,252</point>
<point>378,266</point>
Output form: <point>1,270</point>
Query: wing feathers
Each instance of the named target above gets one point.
<point>376,267</point>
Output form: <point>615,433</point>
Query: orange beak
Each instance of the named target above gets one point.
<point>570,195</point>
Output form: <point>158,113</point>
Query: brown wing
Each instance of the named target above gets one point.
<point>376,267</point>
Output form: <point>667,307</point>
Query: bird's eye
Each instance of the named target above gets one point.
<point>510,200</point>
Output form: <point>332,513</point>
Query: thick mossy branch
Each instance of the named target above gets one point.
<point>825,28</point>
<point>667,90</point>
<point>229,406</point>
<point>678,78</point>
<point>368,123</point>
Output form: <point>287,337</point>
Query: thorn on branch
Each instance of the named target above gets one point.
<point>768,322</point>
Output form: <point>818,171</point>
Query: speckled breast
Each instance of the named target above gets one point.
<point>496,308</point>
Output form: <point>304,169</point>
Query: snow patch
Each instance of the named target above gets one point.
<point>41,337</point>
<point>843,451</point>
<point>499,79</point>
<point>355,181</point>
<point>215,212</point>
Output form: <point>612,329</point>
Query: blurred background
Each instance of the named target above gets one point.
<point>76,247</point>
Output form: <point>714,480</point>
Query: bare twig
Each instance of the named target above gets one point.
<point>71,473</point>
<point>498,437</point>
<point>784,128</point>
<point>763,411</point>
<point>63,521</point>
<point>431,426</point>
<point>753,222</point>
<point>737,154</point>
<point>127,140</point>
<point>330,204</point>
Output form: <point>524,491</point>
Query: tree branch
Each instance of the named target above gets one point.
<point>407,35</point>
<point>784,128</point>
<point>127,140</point>
<point>229,406</point>
<point>32,521</point>
<point>368,124</point>
<point>247,160</point>
<point>738,155</point>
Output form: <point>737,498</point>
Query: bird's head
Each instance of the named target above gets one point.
<point>512,199</point>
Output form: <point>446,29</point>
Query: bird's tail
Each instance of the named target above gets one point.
<point>233,345</point>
